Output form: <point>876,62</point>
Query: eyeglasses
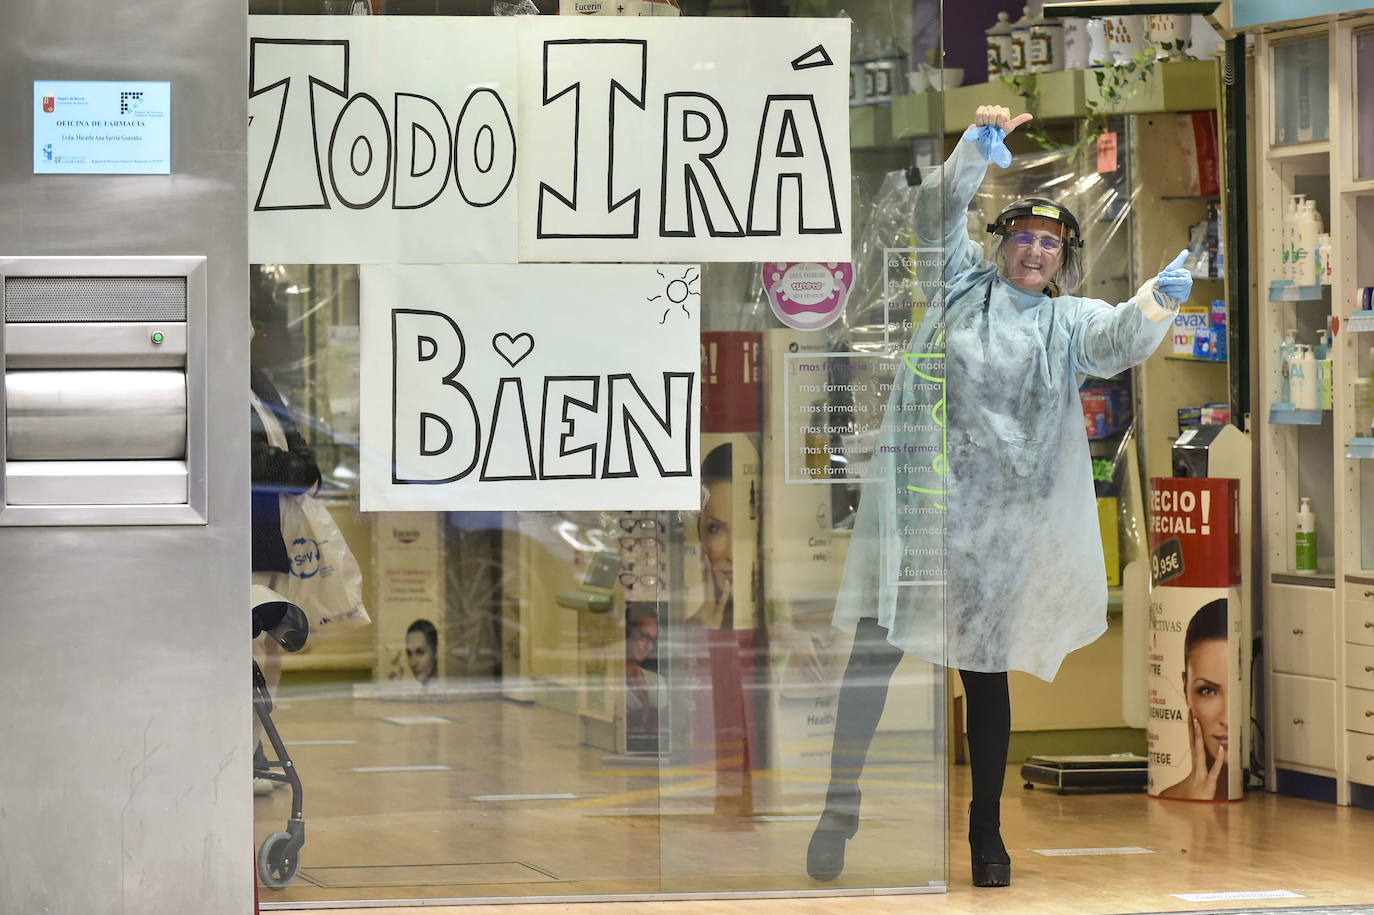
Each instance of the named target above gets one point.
<point>647,524</point>
<point>649,543</point>
<point>1048,243</point>
<point>637,632</point>
<point>628,579</point>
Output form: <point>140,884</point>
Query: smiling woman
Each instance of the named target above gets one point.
<point>1204,686</point>
<point>1041,245</point>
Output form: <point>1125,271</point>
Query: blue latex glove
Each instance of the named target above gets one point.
<point>1174,284</point>
<point>989,140</point>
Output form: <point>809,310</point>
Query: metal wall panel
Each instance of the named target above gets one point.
<point>124,653</point>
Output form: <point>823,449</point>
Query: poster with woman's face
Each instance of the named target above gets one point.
<point>422,651</point>
<point>724,539</point>
<point>408,556</point>
<point>644,687</point>
<point>1194,729</point>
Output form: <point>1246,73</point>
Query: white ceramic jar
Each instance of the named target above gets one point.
<point>1045,53</point>
<point>1076,44</point>
<point>999,46</point>
<point>1125,37</point>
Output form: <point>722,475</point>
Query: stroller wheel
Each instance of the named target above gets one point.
<point>277,865</point>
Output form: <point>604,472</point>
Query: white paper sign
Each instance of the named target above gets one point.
<point>381,139</point>
<point>530,388</point>
<point>1232,897</point>
<point>1088,852</point>
<point>393,139</point>
<point>102,128</point>
<point>684,138</point>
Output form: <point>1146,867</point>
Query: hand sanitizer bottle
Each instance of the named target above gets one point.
<point>1287,350</point>
<point>1305,548</point>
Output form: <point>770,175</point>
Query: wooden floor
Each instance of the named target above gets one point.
<point>380,835</point>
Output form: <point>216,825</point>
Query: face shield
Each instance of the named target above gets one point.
<point>1070,272</point>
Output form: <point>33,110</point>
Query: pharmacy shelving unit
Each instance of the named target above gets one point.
<point>1164,207</point>
<point>1318,629</point>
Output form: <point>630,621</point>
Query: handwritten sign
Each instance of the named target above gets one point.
<point>381,139</point>
<point>1106,153</point>
<point>503,139</point>
<point>536,387</point>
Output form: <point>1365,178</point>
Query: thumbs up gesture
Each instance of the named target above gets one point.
<point>991,125</point>
<point>1000,117</point>
<point>1174,283</point>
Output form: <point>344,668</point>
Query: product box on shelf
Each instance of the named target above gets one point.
<point>1200,332</point>
<point>618,8</point>
<point>1109,526</point>
<point>1214,414</point>
<point>1106,408</point>
<point>1197,135</point>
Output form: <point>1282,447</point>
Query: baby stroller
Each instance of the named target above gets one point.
<point>286,624</point>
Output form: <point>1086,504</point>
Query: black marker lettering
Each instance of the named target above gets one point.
<point>484,149</point>
<point>510,454</point>
<point>423,146</point>
<point>295,68</point>
<point>792,149</point>
<point>666,435</point>
<point>567,452</point>
<point>694,133</point>
<point>418,453</point>
<point>360,179</point>
<point>588,74</point>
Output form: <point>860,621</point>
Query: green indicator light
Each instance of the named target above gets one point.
<point>157,336</point>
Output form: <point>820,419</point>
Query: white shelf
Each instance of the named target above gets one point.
<point>1299,150</point>
<point>1286,291</point>
<point>1360,322</point>
<point>1324,577</point>
<point>1288,415</point>
<point>1361,449</point>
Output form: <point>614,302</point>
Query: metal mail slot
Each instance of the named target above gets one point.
<point>95,415</point>
<point>96,482</point>
<point>103,386</point>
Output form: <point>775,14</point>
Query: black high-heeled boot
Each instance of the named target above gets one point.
<point>838,824</point>
<point>825,854</point>
<point>991,863</point>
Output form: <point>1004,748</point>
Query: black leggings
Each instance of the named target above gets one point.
<point>862,696</point>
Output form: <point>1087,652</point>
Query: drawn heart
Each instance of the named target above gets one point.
<point>513,349</point>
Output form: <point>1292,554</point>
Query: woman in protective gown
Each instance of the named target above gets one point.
<point>989,561</point>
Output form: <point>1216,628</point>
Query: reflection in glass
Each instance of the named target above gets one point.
<point>1301,92</point>
<point>621,701</point>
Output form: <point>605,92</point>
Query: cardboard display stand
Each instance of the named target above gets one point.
<point>1197,716</point>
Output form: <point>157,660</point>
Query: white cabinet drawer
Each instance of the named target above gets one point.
<point>1359,710</point>
<point>1359,666</point>
<point>1301,631</point>
<point>1359,614</point>
<point>1305,721</point>
<point>1360,758</point>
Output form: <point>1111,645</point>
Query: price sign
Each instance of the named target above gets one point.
<point>1166,561</point>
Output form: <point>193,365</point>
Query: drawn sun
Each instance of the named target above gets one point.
<point>677,292</point>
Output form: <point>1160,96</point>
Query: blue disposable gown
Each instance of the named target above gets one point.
<point>1015,527</point>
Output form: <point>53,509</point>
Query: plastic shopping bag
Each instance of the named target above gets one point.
<point>324,580</point>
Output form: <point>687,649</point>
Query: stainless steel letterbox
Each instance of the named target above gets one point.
<point>103,406</point>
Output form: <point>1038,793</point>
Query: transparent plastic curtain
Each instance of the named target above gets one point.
<point>1103,204</point>
<point>789,763</point>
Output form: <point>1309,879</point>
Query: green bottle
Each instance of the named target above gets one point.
<point>1306,552</point>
